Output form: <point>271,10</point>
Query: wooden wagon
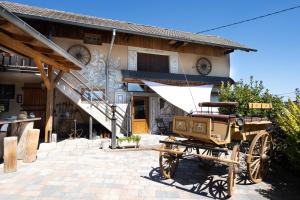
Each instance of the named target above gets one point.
<point>208,136</point>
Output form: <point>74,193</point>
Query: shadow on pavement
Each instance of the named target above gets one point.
<point>284,184</point>
<point>194,178</point>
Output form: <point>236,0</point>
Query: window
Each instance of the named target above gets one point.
<point>152,63</point>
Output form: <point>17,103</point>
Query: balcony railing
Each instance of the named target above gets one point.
<point>16,63</point>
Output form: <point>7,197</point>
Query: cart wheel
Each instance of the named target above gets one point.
<point>233,170</point>
<point>258,156</point>
<point>168,162</point>
<point>208,152</point>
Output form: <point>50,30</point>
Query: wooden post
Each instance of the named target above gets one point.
<point>32,141</point>
<point>10,154</point>
<point>49,105</point>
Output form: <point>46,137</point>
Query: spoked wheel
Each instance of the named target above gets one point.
<point>168,162</point>
<point>208,152</point>
<point>258,156</point>
<point>233,170</point>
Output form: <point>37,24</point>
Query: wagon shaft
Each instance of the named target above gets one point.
<point>204,157</point>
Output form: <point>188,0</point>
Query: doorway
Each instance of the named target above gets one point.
<point>35,98</point>
<point>140,113</point>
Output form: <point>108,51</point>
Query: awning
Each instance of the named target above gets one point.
<point>185,98</point>
<point>18,36</point>
<point>172,79</point>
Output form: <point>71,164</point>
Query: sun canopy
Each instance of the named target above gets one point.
<point>185,98</point>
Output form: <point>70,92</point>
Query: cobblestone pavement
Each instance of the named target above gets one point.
<point>78,169</point>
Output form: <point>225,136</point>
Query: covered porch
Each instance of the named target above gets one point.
<point>50,62</point>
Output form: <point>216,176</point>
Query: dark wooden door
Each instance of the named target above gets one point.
<point>34,101</point>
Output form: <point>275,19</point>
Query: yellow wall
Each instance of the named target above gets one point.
<point>187,61</point>
<point>220,65</point>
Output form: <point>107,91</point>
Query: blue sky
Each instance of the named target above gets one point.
<point>277,38</point>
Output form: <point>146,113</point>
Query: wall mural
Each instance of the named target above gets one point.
<point>95,71</point>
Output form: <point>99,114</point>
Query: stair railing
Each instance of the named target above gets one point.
<point>100,103</point>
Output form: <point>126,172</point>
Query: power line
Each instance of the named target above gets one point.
<point>285,93</point>
<point>251,19</point>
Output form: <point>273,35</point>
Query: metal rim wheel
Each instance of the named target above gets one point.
<point>258,156</point>
<point>233,170</point>
<point>168,162</point>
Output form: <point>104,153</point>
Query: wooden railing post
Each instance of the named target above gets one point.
<point>32,141</point>
<point>10,154</point>
<point>49,105</point>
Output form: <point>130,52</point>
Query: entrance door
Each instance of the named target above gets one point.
<point>140,112</point>
<point>34,101</point>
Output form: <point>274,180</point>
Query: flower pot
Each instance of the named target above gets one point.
<point>127,144</point>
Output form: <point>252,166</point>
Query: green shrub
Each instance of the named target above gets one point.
<point>245,93</point>
<point>289,121</point>
<point>133,138</point>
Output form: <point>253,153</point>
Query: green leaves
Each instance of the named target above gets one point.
<point>245,93</point>
<point>133,138</point>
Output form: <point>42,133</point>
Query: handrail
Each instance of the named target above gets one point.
<point>98,97</point>
<point>91,102</point>
<point>119,116</point>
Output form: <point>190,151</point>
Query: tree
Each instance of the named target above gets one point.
<point>245,93</point>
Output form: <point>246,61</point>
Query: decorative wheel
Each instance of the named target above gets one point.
<point>81,53</point>
<point>258,156</point>
<point>168,162</point>
<point>203,66</point>
<point>233,170</point>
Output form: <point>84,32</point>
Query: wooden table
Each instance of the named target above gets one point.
<point>20,129</point>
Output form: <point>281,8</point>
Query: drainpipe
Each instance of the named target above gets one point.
<point>107,63</point>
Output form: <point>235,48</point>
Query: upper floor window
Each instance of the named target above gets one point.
<point>152,62</point>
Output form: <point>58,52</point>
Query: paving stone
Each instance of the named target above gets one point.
<point>78,169</point>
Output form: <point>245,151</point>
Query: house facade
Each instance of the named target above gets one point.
<point>117,56</point>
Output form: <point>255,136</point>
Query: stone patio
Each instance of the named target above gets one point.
<point>78,169</point>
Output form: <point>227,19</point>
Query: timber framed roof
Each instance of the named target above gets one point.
<point>121,26</point>
<point>18,36</point>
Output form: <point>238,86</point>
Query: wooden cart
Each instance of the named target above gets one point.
<point>220,138</point>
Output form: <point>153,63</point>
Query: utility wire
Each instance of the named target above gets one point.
<point>250,19</point>
<point>286,93</point>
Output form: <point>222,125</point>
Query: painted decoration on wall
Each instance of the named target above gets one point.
<point>174,64</point>
<point>95,71</point>
<point>165,107</point>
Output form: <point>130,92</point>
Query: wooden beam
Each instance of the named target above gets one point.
<point>49,105</point>
<point>42,50</point>
<point>21,38</point>
<point>40,67</point>
<point>228,51</point>
<point>29,52</point>
<point>56,57</point>
<point>58,77</point>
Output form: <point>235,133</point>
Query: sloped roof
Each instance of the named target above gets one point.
<point>21,38</point>
<point>121,26</point>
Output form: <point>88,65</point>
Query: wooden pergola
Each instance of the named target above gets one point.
<point>19,37</point>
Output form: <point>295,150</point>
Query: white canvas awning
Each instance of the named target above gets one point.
<point>185,98</point>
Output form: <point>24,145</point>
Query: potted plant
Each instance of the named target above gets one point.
<point>132,141</point>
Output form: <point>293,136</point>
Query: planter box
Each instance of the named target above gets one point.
<point>126,144</point>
